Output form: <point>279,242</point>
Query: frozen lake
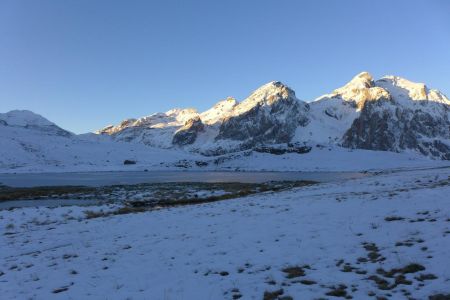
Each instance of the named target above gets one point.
<point>102,179</point>
<point>123,178</point>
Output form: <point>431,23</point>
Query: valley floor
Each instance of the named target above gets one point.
<point>153,159</point>
<point>382,236</point>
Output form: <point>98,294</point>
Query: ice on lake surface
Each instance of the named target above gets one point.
<point>150,186</point>
<point>123,178</point>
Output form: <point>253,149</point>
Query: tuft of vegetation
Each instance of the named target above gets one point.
<point>273,295</point>
<point>373,252</point>
<point>423,277</point>
<point>307,282</point>
<point>35,193</point>
<point>411,268</point>
<point>381,283</point>
<point>120,211</point>
<point>409,242</point>
<point>393,218</point>
<point>401,279</point>
<point>339,291</point>
<point>60,290</point>
<point>293,272</point>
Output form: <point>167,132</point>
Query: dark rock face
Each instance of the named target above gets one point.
<point>388,127</point>
<point>273,120</point>
<point>3,123</point>
<point>187,134</point>
<point>283,150</point>
<point>370,131</point>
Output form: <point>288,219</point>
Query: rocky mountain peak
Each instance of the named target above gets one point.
<point>403,89</point>
<point>362,80</point>
<point>182,114</point>
<point>266,95</point>
<point>111,129</point>
<point>219,111</point>
<point>416,118</point>
<point>24,118</point>
<point>270,114</point>
<point>360,90</point>
<point>30,120</point>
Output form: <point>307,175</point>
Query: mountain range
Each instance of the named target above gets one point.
<point>388,114</point>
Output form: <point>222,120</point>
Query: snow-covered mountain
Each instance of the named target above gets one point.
<point>389,114</point>
<point>270,115</point>
<point>32,143</point>
<point>410,117</point>
<point>25,119</point>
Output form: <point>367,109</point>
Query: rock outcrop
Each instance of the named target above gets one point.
<point>415,119</point>
<point>270,115</point>
<point>187,134</point>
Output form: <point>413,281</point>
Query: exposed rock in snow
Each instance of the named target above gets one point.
<point>155,130</point>
<point>111,129</point>
<point>187,134</point>
<point>389,127</point>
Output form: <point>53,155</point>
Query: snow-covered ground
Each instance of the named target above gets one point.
<point>25,150</point>
<point>326,159</point>
<point>46,153</point>
<point>382,236</point>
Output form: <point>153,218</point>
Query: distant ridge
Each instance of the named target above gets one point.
<point>389,114</point>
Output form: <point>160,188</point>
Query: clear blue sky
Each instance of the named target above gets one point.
<point>85,64</point>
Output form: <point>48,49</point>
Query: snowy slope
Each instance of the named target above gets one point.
<point>322,159</point>
<point>29,120</point>
<point>219,111</point>
<point>31,143</point>
<point>333,114</point>
<point>154,130</point>
<point>24,118</point>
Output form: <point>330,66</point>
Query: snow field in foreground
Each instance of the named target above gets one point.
<point>386,236</point>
